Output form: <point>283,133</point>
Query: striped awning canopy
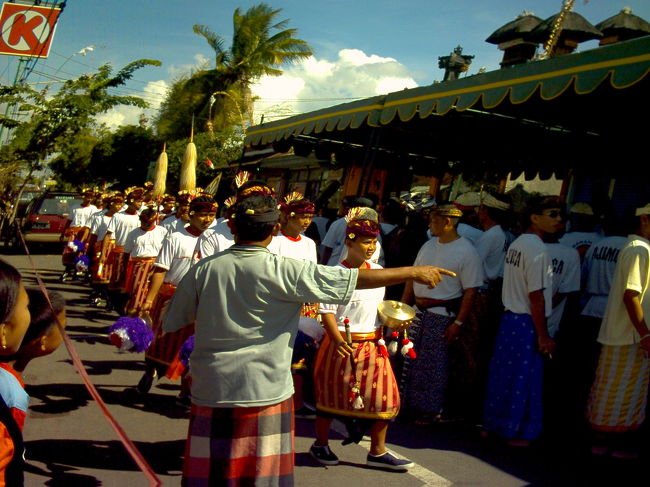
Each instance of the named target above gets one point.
<point>597,93</point>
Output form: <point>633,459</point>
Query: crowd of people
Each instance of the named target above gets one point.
<point>269,312</point>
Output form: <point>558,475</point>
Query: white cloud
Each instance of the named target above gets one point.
<point>319,83</point>
<point>153,93</point>
<point>178,70</point>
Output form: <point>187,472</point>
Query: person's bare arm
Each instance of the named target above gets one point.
<point>424,274</point>
<point>408,295</point>
<point>453,330</point>
<point>545,343</point>
<point>635,312</point>
<point>332,330</point>
<point>157,279</point>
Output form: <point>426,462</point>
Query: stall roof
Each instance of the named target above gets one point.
<point>593,93</point>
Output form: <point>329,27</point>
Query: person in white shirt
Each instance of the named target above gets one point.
<point>444,310</point>
<point>334,240</point>
<point>167,204</point>
<point>491,246</point>
<point>220,237</point>
<point>581,234</point>
<point>143,246</point>
<point>468,227</point>
<point>118,228</point>
<point>296,213</point>
<point>100,268</point>
<point>176,257</point>
<point>617,402</point>
<point>179,219</point>
<point>79,231</point>
<point>513,401</point>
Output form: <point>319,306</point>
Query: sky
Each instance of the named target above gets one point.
<point>361,48</point>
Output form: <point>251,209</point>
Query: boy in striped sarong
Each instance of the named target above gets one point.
<point>617,404</point>
<point>245,303</point>
<point>356,380</point>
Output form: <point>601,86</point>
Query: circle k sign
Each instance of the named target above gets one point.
<point>27,30</point>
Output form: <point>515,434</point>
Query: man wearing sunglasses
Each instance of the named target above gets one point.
<point>513,404</point>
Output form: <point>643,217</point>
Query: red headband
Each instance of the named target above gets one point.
<point>362,228</point>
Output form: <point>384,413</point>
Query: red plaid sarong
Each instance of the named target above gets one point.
<point>164,347</point>
<point>240,446</point>
<point>136,283</point>
<point>333,375</point>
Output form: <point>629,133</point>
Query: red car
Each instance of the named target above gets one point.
<point>48,215</point>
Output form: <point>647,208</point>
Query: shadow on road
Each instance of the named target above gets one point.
<point>63,457</point>
<point>58,399</point>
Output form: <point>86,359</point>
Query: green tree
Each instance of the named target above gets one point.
<point>63,125</point>
<point>221,96</point>
<point>130,148</point>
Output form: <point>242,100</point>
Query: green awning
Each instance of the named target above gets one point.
<point>618,66</point>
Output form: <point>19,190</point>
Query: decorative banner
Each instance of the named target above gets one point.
<point>27,30</point>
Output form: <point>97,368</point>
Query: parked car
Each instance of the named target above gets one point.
<point>48,215</point>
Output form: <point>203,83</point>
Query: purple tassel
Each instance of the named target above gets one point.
<point>130,334</point>
<point>82,263</point>
<point>80,246</point>
<point>186,351</point>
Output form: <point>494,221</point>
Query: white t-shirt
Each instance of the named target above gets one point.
<point>335,239</point>
<point>361,310</point>
<point>145,243</point>
<point>528,268</point>
<point>121,225</point>
<point>566,279</point>
<point>598,271</point>
<point>577,240</point>
<point>469,232</point>
<point>633,273</point>
<point>177,255</point>
<point>301,248</point>
<point>98,224</point>
<point>491,247</point>
<point>173,224</point>
<point>216,239</point>
<point>458,256</point>
<point>81,216</point>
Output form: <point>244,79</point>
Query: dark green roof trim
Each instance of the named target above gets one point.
<point>624,64</point>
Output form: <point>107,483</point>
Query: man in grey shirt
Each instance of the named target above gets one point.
<point>245,303</point>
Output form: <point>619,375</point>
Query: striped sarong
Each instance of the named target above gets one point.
<point>136,283</point>
<point>118,271</point>
<point>333,375</point>
<point>617,402</point>
<point>427,375</point>
<point>513,401</point>
<point>250,446</point>
<point>102,266</point>
<point>164,347</point>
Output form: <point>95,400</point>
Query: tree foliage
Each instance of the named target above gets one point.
<point>63,125</point>
<point>221,97</point>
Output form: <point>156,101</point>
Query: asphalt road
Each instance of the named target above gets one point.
<point>69,443</point>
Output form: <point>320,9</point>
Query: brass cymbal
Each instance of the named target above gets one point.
<point>395,314</point>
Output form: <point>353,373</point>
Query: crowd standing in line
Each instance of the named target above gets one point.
<point>271,335</point>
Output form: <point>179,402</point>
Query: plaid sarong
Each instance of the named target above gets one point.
<point>617,402</point>
<point>240,446</point>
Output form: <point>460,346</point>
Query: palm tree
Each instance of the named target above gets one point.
<point>260,46</point>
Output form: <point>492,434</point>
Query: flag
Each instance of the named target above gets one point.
<point>208,163</point>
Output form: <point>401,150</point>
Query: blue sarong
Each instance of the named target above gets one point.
<point>513,402</point>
